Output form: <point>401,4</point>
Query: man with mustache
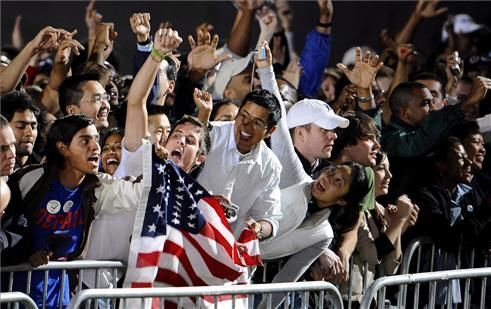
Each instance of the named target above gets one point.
<point>20,111</point>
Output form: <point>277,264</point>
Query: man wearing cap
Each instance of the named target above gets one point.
<point>312,123</point>
<point>234,79</point>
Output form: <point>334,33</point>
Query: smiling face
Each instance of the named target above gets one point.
<point>183,146</point>
<point>94,104</point>
<point>111,153</point>
<point>25,127</point>
<point>457,167</point>
<point>330,187</point>
<point>83,153</point>
<point>382,176</point>
<point>159,128</point>
<point>474,146</point>
<point>251,126</point>
<point>364,152</point>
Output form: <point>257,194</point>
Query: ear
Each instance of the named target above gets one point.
<point>200,159</point>
<point>229,93</point>
<point>172,86</point>
<point>72,109</point>
<point>62,148</point>
<point>270,131</point>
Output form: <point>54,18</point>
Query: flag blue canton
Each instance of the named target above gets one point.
<point>173,200</point>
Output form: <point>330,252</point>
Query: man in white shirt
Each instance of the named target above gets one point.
<point>243,169</point>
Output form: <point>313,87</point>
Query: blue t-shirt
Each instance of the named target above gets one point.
<point>58,226</point>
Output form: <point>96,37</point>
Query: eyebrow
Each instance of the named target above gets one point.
<point>26,122</point>
<point>254,118</point>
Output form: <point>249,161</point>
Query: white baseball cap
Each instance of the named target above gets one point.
<point>228,69</point>
<point>462,23</point>
<point>309,111</point>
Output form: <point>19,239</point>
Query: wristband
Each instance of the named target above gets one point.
<point>157,54</point>
<point>368,99</point>
<point>324,25</point>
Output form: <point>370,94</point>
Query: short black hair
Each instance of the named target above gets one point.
<point>466,128</point>
<point>220,104</point>
<point>430,76</point>
<point>267,100</point>
<point>63,130</point>
<point>443,149</point>
<point>361,126</point>
<point>156,110</point>
<point>403,96</point>
<point>70,91</point>
<point>106,133</point>
<point>18,102</point>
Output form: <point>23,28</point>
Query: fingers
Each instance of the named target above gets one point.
<point>191,41</point>
<point>214,42</point>
<point>358,54</point>
<point>343,68</point>
<point>223,57</point>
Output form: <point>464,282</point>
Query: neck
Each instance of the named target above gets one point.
<point>71,178</point>
<point>22,160</point>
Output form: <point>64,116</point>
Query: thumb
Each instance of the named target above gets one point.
<point>343,68</point>
<point>223,57</point>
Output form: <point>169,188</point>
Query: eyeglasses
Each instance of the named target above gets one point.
<point>98,98</point>
<point>257,124</point>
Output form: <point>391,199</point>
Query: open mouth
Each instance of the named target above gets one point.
<point>176,154</point>
<point>244,135</point>
<point>94,160</point>
<point>112,162</point>
<point>103,112</point>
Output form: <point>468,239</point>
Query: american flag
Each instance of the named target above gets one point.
<point>181,236</point>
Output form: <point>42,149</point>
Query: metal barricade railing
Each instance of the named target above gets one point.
<point>379,285</point>
<point>64,268</point>
<point>212,292</point>
<point>17,297</point>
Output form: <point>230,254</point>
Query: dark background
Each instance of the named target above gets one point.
<point>354,22</point>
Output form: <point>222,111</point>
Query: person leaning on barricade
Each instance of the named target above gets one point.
<point>51,212</point>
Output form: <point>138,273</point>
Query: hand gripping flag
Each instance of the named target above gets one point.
<point>181,236</point>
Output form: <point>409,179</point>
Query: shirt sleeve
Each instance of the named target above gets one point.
<point>131,162</point>
<point>314,59</point>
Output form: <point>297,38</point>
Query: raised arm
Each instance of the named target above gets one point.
<point>46,39</point>
<point>136,127</point>
<point>59,72</point>
<point>240,34</point>
<point>281,142</point>
<point>423,9</point>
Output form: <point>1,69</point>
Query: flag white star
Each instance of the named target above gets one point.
<point>198,192</point>
<point>191,225</point>
<point>179,197</point>
<point>156,208</point>
<point>160,189</point>
<point>190,186</point>
<point>175,221</point>
<point>161,169</point>
<point>180,189</point>
<point>161,214</point>
<point>193,206</point>
<point>175,213</point>
<point>152,228</point>
<point>180,180</point>
<point>192,216</point>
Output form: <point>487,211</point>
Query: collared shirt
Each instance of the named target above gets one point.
<point>250,181</point>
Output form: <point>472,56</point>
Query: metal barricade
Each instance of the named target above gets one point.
<point>16,298</point>
<point>378,288</point>
<point>211,292</point>
<point>64,268</point>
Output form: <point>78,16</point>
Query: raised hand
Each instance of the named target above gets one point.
<point>92,17</point>
<point>202,56</point>
<point>140,25</point>
<point>267,20</point>
<point>403,51</point>
<point>47,39</point>
<point>249,4</point>
<point>428,8</point>
<point>166,40</point>
<point>325,8</point>
<point>268,61</point>
<point>479,89</point>
<point>67,46</point>
<point>105,34</point>
<point>285,14</point>
<point>292,73</point>
<point>364,71</point>
<point>17,40</point>
<point>203,100</point>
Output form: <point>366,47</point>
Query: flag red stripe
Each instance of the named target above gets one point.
<point>173,248</point>
<point>148,259</point>
<point>214,234</point>
<point>141,285</point>
<point>217,268</point>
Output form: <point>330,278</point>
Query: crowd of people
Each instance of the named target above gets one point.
<point>325,163</point>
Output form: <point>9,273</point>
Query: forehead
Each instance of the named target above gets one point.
<point>24,115</point>
<point>188,129</point>
<point>113,138</point>
<point>431,84</point>
<point>255,110</point>
<point>90,130</point>
<point>423,93</point>
<point>6,135</point>
<point>159,120</point>
<point>92,87</point>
